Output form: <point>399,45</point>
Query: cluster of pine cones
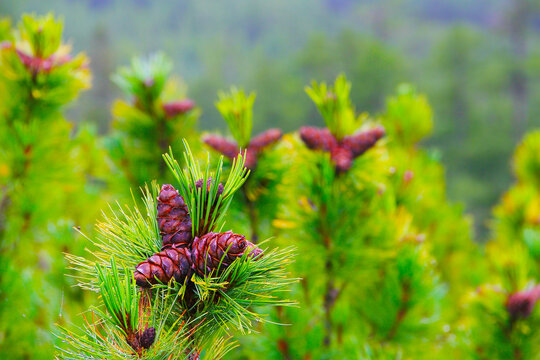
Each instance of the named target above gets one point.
<point>35,63</point>
<point>182,255</point>
<point>175,108</point>
<point>521,304</point>
<point>342,152</point>
<point>256,146</point>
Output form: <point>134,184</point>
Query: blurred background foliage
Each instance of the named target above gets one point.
<point>478,62</point>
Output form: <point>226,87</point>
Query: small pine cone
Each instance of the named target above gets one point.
<point>199,185</point>
<point>149,82</point>
<point>222,145</point>
<point>318,139</point>
<point>174,108</point>
<point>360,143</point>
<point>173,261</point>
<point>264,139</point>
<point>173,219</point>
<point>147,338</point>
<point>211,249</point>
<point>521,304</point>
<point>342,158</point>
<point>34,64</point>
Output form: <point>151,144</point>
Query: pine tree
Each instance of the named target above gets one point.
<point>504,312</point>
<point>157,115</point>
<point>370,287</point>
<point>417,178</point>
<point>39,177</point>
<point>163,298</point>
<point>260,198</point>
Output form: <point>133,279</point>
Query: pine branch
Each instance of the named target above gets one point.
<point>120,297</point>
<point>128,234</point>
<point>237,109</point>
<point>145,78</point>
<point>218,291</point>
<point>207,206</point>
<point>335,106</point>
<point>227,299</point>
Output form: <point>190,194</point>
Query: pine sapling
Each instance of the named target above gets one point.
<point>185,294</point>
<point>156,115</point>
<point>39,174</point>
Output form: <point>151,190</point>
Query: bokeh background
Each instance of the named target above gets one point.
<point>478,62</point>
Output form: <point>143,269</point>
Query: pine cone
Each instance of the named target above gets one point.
<point>342,158</point>
<point>264,139</point>
<point>173,261</point>
<point>148,337</point>
<point>251,159</point>
<point>173,219</point>
<point>199,184</point>
<point>360,143</point>
<point>174,108</point>
<point>318,139</point>
<point>211,249</point>
<point>521,304</point>
<point>222,145</point>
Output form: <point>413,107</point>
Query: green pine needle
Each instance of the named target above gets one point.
<point>120,297</point>
<point>130,235</point>
<point>237,109</point>
<point>228,300</point>
<point>335,106</point>
<point>206,208</point>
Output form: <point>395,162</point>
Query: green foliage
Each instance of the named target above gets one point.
<point>5,29</point>
<point>237,109</point>
<point>228,300</point>
<point>190,318</point>
<point>143,127</point>
<point>128,234</point>
<point>206,208</point>
<point>408,117</point>
<point>527,159</point>
<point>120,297</point>
<point>514,261</point>
<point>494,335</point>
<point>261,197</point>
<point>40,173</point>
<point>254,210</point>
<point>334,105</point>
<point>386,260</point>
<point>417,178</point>
<point>144,79</point>
<point>108,333</point>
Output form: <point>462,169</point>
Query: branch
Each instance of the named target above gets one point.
<point>206,204</point>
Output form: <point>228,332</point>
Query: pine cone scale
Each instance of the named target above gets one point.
<point>264,139</point>
<point>216,251</point>
<point>174,261</point>
<point>173,218</point>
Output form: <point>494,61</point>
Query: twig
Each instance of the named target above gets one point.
<point>331,293</point>
<point>403,309</point>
